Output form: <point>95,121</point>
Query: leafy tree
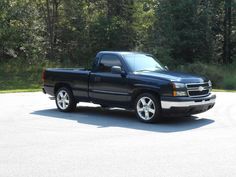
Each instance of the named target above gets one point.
<point>182,29</point>
<point>72,31</point>
<point>18,31</point>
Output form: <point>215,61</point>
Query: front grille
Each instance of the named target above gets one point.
<point>191,86</point>
<point>198,93</point>
<point>198,89</point>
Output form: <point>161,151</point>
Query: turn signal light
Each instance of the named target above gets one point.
<point>174,93</point>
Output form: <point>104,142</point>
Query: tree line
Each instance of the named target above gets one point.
<point>176,31</point>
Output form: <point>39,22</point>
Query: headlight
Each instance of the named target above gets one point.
<point>180,93</point>
<point>209,83</point>
<point>210,86</point>
<point>179,89</point>
<point>178,85</point>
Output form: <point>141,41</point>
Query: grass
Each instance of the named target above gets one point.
<point>39,89</point>
<point>20,77</point>
<point>19,90</point>
<point>11,81</point>
<point>221,90</point>
<point>222,76</point>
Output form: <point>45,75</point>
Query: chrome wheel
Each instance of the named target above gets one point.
<point>146,108</point>
<point>63,99</point>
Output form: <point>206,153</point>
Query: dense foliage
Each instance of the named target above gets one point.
<point>178,30</point>
<point>72,31</point>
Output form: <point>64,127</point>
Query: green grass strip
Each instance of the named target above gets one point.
<point>39,89</point>
<point>20,90</point>
<point>222,90</point>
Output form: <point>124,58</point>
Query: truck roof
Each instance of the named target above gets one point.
<point>119,52</point>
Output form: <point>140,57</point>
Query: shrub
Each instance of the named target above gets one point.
<point>213,72</point>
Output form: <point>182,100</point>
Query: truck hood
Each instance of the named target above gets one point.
<point>173,76</point>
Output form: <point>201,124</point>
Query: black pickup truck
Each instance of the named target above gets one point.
<point>130,80</point>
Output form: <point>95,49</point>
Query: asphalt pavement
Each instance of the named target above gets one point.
<point>36,140</point>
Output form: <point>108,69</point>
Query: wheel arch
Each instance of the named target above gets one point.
<point>140,91</point>
<point>60,85</point>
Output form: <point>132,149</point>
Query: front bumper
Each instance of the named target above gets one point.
<point>187,105</point>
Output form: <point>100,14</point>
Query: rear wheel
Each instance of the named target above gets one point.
<point>65,100</point>
<point>148,108</point>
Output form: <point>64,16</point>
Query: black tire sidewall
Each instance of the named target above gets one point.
<point>157,115</point>
<point>72,104</point>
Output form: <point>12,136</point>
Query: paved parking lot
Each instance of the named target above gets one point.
<point>36,140</point>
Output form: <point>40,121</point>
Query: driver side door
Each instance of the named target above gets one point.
<point>107,87</point>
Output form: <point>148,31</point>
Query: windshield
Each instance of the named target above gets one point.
<point>142,62</point>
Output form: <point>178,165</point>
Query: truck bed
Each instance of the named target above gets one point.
<point>76,78</point>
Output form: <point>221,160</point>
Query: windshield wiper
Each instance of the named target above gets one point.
<point>152,69</point>
<point>143,70</point>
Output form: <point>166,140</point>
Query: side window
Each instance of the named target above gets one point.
<point>107,62</point>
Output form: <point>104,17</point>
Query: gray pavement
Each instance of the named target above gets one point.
<point>36,140</point>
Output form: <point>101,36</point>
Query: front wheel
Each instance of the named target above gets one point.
<point>147,107</point>
<point>65,100</point>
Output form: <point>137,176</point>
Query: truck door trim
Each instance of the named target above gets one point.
<point>109,92</point>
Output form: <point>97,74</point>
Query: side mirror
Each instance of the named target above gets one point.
<point>116,70</point>
<point>166,67</point>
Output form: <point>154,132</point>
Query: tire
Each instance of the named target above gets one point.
<point>65,100</point>
<point>148,108</point>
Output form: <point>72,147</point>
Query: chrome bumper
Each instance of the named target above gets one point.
<point>185,103</point>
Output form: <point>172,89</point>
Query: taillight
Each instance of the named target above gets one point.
<point>43,76</point>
